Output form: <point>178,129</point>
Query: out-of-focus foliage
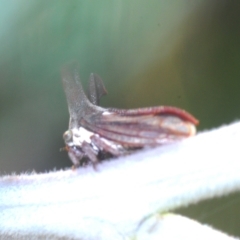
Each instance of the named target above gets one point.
<point>124,42</point>
<point>180,53</point>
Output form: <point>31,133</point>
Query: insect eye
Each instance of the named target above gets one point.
<point>67,136</point>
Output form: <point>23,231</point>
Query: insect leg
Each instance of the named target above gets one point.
<point>90,153</point>
<point>107,147</point>
<point>75,155</point>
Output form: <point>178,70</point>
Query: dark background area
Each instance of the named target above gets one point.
<point>180,52</point>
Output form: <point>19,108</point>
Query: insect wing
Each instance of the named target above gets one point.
<point>142,127</point>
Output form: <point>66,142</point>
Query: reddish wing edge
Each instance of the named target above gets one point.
<point>157,111</point>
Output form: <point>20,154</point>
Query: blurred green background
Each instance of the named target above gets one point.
<point>179,52</point>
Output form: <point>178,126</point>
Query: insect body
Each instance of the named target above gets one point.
<point>96,133</point>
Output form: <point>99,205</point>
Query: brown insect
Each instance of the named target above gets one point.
<point>96,133</point>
